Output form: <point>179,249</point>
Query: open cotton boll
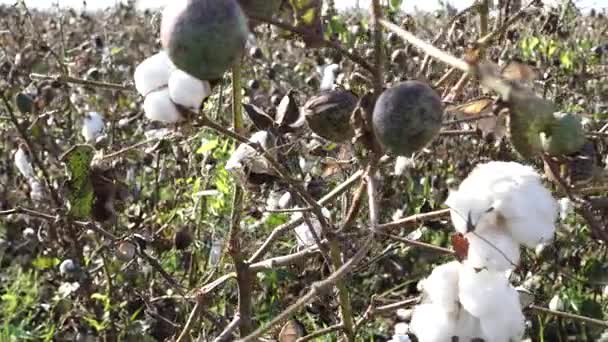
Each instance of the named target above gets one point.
<point>152,73</point>
<point>493,249</point>
<point>187,90</point>
<point>505,324</point>
<point>247,156</point>
<point>508,194</point>
<point>400,333</point>
<point>22,162</point>
<point>92,127</point>
<point>36,190</point>
<point>431,323</point>
<point>329,74</point>
<point>530,211</point>
<point>303,232</point>
<point>159,107</point>
<point>481,292</point>
<point>441,286</point>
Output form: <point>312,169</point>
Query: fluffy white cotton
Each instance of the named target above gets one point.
<point>483,292</point>
<point>441,286</point>
<point>402,165</point>
<point>247,156</point>
<point>505,195</point>
<point>328,78</point>
<point>153,73</point>
<point>36,190</point>
<point>400,334</point>
<point>92,127</point>
<point>158,107</point>
<point>187,90</point>
<point>565,208</point>
<point>431,323</point>
<point>22,162</point>
<point>284,200</point>
<point>304,236</point>
<point>556,303</point>
<point>492,249</point>
<point>506,326</point>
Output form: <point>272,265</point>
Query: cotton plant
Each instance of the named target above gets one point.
<point>92,127</point>
<point>246,160</point>
<point>496,209</point>
<point>23,163</point>
<point>304,235</point>
<point>167,88</point>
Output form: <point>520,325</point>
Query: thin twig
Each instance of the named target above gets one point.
<point>74,80</point>
<point>226,334</point>
<point>278,231</point>
<point>414,220</point>
<point>328,43</point>
<point>316,289</point>
<point>191,319</point>
<point>421,244</point>
<point>321,332</point>
<point>567,315</point>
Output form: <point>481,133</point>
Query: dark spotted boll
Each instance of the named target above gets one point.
<point>407,117</point>
<point>328,114</point>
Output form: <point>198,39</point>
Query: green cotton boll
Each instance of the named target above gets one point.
<point>529,115</point>
<point>565,137</point>
<point>204,38</point>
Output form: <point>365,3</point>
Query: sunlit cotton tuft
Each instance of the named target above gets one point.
<point>508,196</point>
<point>92,127</point>
<point>153,73</point>
<point>159,107</point>
<point>187,90</point>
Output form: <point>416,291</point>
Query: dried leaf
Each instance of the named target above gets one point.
<point>461,246</point>
<point>291,331</point>
<point>260,119</point>
<point>288,111</point>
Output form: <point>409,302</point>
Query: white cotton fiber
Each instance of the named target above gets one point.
<point>152,73</point>
<point>246,155</point>
<point>493,249</point>
<point>441,286</point>
<point>186,90</point>
<point>481,292</point>
<point>507,323</point>
<point>509,195</point>
<point>431,323</point>
<point>158,107</point>
<point>22,162</point>
<point>92,127</point>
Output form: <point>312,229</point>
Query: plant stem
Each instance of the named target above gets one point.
<point>243,273</point>
<point>343,294</point>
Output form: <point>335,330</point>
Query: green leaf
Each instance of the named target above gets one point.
<point>79,187</point>
<point>45,263</point>
<point>207,146</point>
<point>395,4</point>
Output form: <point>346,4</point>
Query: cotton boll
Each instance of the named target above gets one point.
<point>158,107</point>
<point>247,156</point>
<point>467,327</point>
<point>152,73</point>
<point>492,249</point>
<point>481,292</point>
<point>565,208</point>
<point>556,303</point>
<point>400,335</point>
<point>92,127</point>
<point>431,323</point>
<point>22,162</point>
<point>330,72</point>
<point>441,286</point>
<point>505,326</point>
<point>505,194</point>
<point>284,200</point>
<point>186,90</point>
<point>304,235</point>
<point>36,190</point>
<point>402,165</point>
